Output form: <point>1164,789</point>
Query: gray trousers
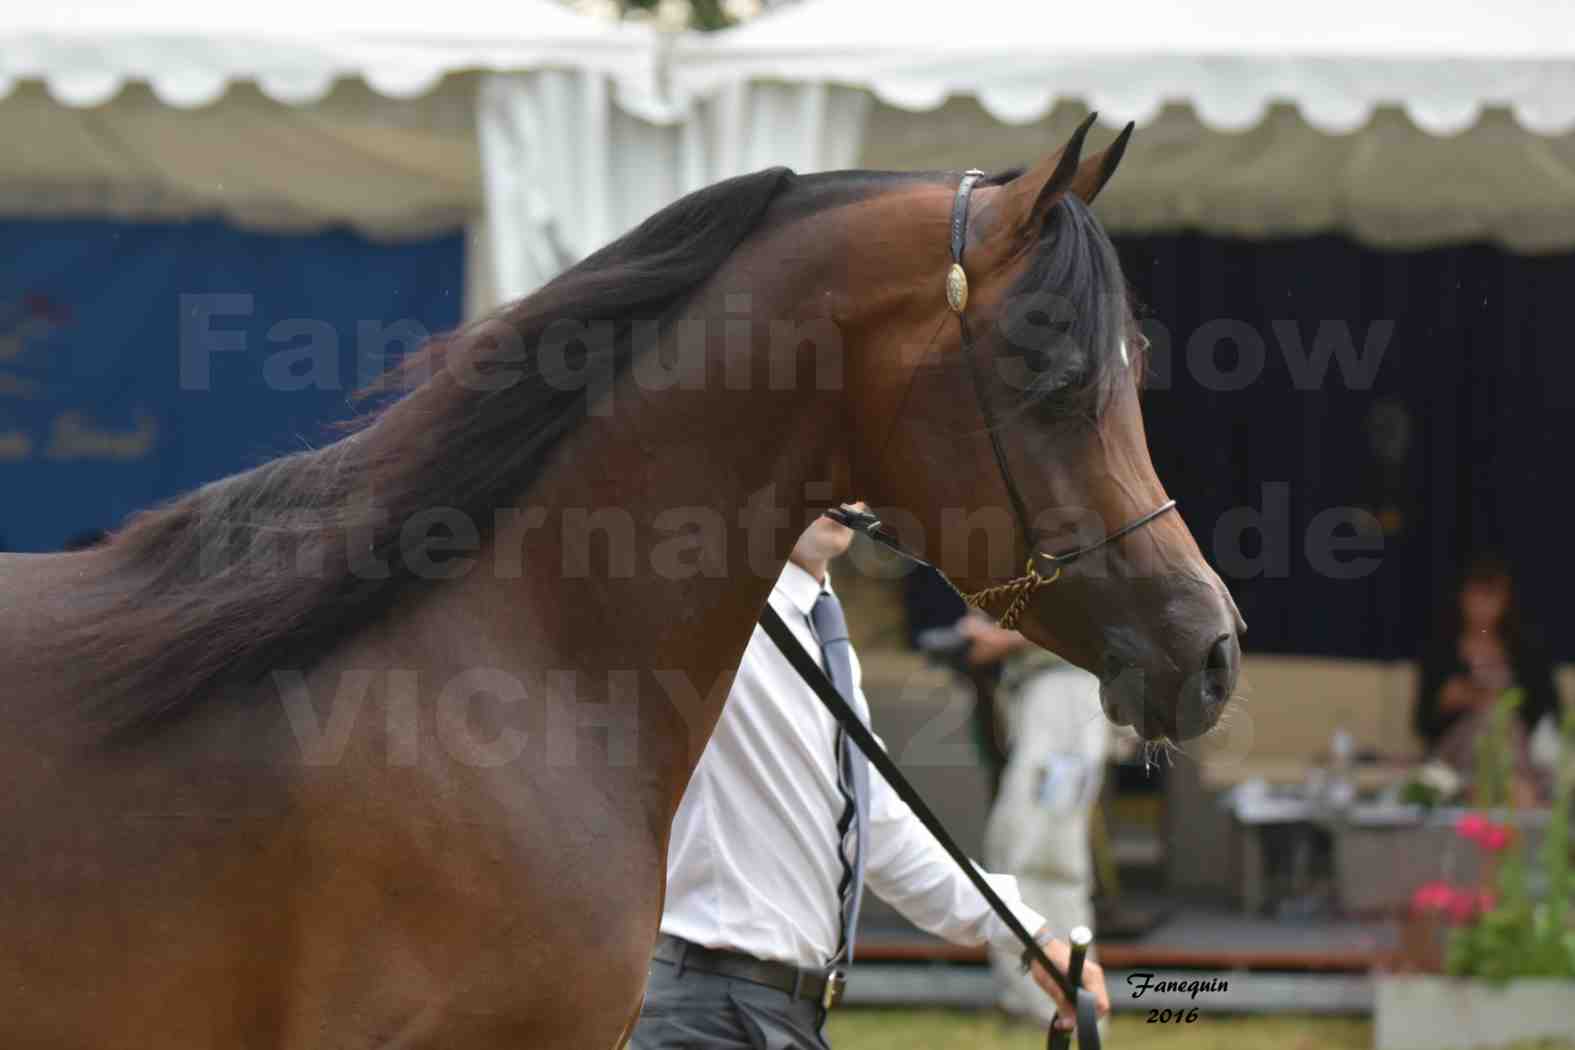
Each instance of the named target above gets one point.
<point>693,1010</point>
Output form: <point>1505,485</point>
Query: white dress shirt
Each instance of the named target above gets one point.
<point>753,863</point>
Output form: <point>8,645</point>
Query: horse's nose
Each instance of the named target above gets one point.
<point>1221,665</point>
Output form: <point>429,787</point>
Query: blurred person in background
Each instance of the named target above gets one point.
<point>1056,740</point>
<point>1480,648</point>
<point>1043,735</point>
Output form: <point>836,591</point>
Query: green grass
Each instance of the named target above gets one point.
<point>873,1029</point>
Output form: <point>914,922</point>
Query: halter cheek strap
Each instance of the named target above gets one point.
<point>957,278</point>
<point>1014,594</point>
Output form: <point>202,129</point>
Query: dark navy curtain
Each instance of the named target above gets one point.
<point>1458,440</point>
<point>138,361</point>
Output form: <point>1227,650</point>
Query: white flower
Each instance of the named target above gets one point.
<point>741,10</point>
<point>1440,777</point>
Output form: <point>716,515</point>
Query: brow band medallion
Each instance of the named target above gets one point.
<point>956,279</point>
<point>956,288</point>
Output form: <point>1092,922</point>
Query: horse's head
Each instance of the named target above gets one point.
<point>1033,386</point>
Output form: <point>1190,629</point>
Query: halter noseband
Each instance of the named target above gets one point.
<point>1018,590</point>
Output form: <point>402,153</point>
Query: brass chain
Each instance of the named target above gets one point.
<point>1018,590</point>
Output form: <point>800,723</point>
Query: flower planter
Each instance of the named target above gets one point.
<point>1453,1013</point>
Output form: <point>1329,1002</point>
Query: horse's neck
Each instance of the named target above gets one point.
<point>647,548</point>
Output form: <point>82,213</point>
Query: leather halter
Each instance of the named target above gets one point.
<point>1018,590</point>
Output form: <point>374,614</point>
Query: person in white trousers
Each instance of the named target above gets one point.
<point>1038,829</point>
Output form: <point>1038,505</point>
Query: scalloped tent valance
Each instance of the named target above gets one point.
<point>86,51</point>
<point>549,132</point>
<point>1230,59</point>
<point>1388,184</point>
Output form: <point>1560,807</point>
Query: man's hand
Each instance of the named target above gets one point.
<point>1060,953</point>
<point>989,642</point>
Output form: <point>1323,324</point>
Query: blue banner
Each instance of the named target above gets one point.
<point>139,361</point>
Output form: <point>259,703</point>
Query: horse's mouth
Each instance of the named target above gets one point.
<point>1125,702</point>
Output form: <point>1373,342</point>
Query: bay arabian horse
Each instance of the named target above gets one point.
<point>378,744</point>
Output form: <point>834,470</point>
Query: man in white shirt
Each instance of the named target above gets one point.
<point>778,823</point>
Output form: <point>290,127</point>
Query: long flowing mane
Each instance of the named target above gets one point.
<point>276,566</point>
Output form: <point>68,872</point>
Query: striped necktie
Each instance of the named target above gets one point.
<point>853,779</point>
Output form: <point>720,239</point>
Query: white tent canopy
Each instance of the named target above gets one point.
<point>86,50</point>
<point>1402,124</point>
<point>288,115</point>
<point>548,132</point>
<point>300,114</point>
<point>542,129</point>
<point>1230,59</point>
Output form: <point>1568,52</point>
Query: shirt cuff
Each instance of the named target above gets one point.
<point>1001,936</point>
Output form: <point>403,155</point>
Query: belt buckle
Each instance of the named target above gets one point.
<point>836,985</point>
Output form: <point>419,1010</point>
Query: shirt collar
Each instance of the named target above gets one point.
<point>800,588</point>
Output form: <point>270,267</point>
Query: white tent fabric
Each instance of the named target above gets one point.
<point>1401,124</point>
<point>294,115</point>
<point>87,50</point>
<point>290,115</point>
<point>304,113</point>
<point>1390,184</point>
<point>549,133</point>
<point>387,169</point>
<point>1230,59</point>
<point>567,170</point>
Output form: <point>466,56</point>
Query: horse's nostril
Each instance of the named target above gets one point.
<point>1222,655</point>
<point>1219,678</point>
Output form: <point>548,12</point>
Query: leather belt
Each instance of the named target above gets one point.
<point>822,986</point>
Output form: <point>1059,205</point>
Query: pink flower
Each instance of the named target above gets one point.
<point>1471,826</point>
<point>1490,836</point>
<point>1462,907</point>
<point>1458,904</point>
<point>1433,896</point>
<point>1495,838</point>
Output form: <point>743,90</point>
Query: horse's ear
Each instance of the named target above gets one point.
<point>1066,172</point>
<point>1094,172</point>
